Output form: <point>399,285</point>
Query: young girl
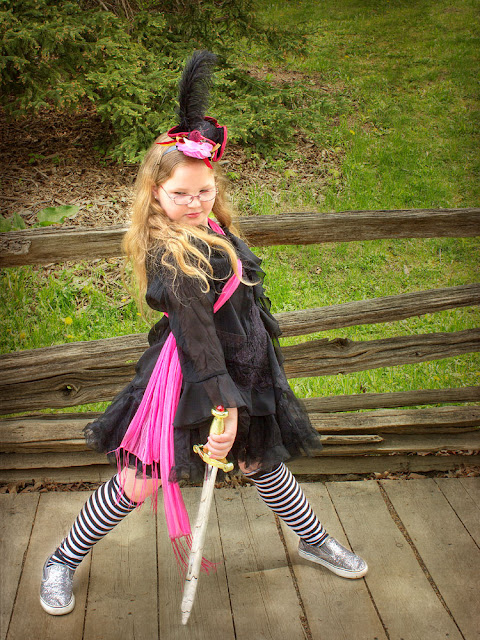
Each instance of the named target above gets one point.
<point>221,349</point>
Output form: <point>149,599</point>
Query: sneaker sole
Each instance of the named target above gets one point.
<point>343,573</point>
<point>58,611</point>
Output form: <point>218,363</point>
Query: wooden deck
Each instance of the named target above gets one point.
<point>420,537</point>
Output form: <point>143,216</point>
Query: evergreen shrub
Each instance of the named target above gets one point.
<point>126,59</point>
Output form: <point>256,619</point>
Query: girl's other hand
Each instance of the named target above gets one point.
<point>219,446</point>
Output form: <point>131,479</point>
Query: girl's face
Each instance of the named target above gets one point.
<point>190,179</point>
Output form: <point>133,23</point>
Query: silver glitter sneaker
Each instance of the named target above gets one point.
<point>56,590</point>
<point>332,555</point>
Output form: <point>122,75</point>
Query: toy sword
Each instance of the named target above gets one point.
<point>200,528</point>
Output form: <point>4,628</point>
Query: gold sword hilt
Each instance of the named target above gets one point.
<point>216,428</point>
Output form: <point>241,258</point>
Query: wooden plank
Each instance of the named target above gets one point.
<point>17,513</point>
<point>50,460</point>
<point>390,443</point>
<point>63,432</point>
<point>358,401</point>
<point>449,553</point>
<point>373,310</point>
<point>351,226</point>
<point>472,486</point>
<point>370,311</point>
<point>68,467</point>
<point>398,420</point>
<point>397,443</point>
<point>47,446</point>
<point>83,355</point>
<point>55,515</point>
<point>336,608</point>
<point>355,439</point>
<point>263,598</point>
<point>340,465</point>
<point>405,601</point>
<point>42,246</point>
<point>463,504</point>
<point>67,375</point>
<point>78,444</point>
<point>211,615</point>
<point>40,429</point>
<point>122,594</point>
<point>91,473</point>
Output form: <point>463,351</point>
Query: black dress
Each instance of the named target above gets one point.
<point>231,358</point>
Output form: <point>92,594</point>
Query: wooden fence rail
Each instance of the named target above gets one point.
<point>359,401</point>
<point>44,246</point>
<point>61,432</point>
<point>390,432</point>
<point>86,372</point>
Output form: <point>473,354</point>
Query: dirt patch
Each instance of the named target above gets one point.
<point>52,159</point>
<point>288,77</point>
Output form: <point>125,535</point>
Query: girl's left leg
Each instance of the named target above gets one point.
<point>281,492</point>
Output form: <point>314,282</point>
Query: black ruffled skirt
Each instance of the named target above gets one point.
<point>273,426</point>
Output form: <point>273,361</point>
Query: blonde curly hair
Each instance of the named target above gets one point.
<point>151,229</point>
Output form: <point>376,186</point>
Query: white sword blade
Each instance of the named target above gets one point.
<point>198,541</point>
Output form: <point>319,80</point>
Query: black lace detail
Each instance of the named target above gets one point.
<point>246,356</point>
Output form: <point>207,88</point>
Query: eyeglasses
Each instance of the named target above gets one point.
<point>203,196</point>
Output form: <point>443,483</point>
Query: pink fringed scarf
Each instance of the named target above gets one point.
<point>149,436</point>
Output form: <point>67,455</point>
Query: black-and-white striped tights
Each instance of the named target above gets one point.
<point>104,509</point>
<point>282,493</point>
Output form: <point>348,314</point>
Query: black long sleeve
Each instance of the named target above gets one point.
<point>206,381</point>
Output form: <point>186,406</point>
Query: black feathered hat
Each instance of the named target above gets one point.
<point>197,135</point>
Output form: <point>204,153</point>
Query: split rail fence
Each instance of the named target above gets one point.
<point>362,433</point>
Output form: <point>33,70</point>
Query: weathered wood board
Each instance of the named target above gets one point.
<point>450,555</point>
<point>336,608</point>
<point>94,371</point>
<point>259,580</point>
<point>211,614</point>
<point>42,246</point>
<point>464,498</point>
<point>389,443</point>
<point>42,433</point>
<point>371,464</point>
<point>55,515</point>
<point>94,467</point>
<point>417,537</point>
<point>404,598</point>
<point>373,310</point>
<point>17,514</point>
<point>122,593</point>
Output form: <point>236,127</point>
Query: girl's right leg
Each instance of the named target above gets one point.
<point>104,509</point>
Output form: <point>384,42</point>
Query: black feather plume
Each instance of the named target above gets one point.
<point>194,91</point>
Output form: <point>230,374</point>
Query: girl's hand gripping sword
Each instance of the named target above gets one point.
<point>200,528</point>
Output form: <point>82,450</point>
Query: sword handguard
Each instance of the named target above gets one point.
<point>216,428</point>
<point>221,464</point>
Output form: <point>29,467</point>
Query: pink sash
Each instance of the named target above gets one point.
<point>149,436</point>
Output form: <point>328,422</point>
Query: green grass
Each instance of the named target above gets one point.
<point>329,274</point>
<point>396,90</point>
<point>390,96</point>
<point>87,301</point>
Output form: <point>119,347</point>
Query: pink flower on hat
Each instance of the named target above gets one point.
<point>195,149</point>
